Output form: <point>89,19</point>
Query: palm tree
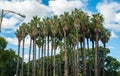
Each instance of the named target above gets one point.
<point>48,40</point>
<point>73,43</point>
<point>34,33</point>
<point>76,23</point>
<point>24,34</point>
<point>54,29</point>
<point>87,36</point>
<point>65,25</point>
<point>84,25</point>
<point>30,46</point>
<point>44,33</point>
<point>18,35</point>
<point>105,36</point>
<point>97,21</point>
<point>39,44</point>
<point>28,69</point>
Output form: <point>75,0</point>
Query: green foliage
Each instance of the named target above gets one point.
<point>7,59</point>
<point>3,43</point>
<point>112,66</point>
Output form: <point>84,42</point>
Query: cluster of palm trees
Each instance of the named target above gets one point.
<point>74,30</point>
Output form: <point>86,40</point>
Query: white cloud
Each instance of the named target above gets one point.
<point>60,6</point>
<point>113,35</point>
<point>9,23</point>
<point>26,57</point>
<point>111,14</point>
<point>118,17</point>
<point>14,41</point>
<point>31,8</point>
<point>25,7</point>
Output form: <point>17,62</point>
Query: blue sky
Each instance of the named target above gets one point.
<point>109,8</point>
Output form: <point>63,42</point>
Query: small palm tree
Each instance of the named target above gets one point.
<point>19,36</point>
<point>54,29</point>
<point>105,36</point>
<point>34,33</point>
<point>30,46</point>
<point>39,44</point>
<point>65,25</point>
<point>97,21</point>
<point>76,23</point>
<point>84,26</point>
<point>23,28</point>
<point>44,31</point>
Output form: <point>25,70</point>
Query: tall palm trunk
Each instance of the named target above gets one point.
<point>78,74</point>
<point>22,68</point>
<point>60,66</point>
<point>39,60</point>
<point>65,57</point>
<point>84,56</point>
<point>42,62</point>
<point>51,63</point>
<point>88,57</point>
<point>81,48</point>
<point>48,56</point>
<point>75,64</point>
<point>44,56</point>
<point>96,55</point>
<point>103,72</point>
<point>54,57</point>
<point>34,56</point>
<point>28,73</point>
<point>17,69</point>
<point>93,44</point>
<point>72,61</point>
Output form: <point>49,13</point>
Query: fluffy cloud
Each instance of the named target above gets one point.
<point>27,8</point>
<point>35,7</point>
<point>26,57</point>
<point>113,35</point>
<point>14,41</point>
<point>60,6</point>
<point>111,13</point>
<point>9,23</point>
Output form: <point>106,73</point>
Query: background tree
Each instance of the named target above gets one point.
<point>3,43</point>
<point>8,59</point>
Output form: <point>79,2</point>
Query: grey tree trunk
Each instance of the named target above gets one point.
<point>65,57</point>
<point>34,57</point>
<point>103,74</point>
<point>48,56</point>
<point>17,69</point>
<point>84,56</point>
<point>89,57</point>
<point>22,68</point>
<point>28,71</point>
<point>96,56</point>
<point>44,56</point>
<point>54,68</point>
